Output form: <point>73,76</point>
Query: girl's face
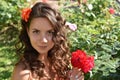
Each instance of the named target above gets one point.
<point>40,34</point>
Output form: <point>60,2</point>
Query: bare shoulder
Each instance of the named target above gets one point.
<point>20,72</point>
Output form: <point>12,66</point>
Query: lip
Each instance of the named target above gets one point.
<point>43,46</point>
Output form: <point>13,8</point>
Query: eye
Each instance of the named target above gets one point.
<point>36,31</point>
<point>50,32</point>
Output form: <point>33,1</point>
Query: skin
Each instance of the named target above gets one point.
<point>40,34</point>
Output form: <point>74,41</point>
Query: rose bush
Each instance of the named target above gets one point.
<point>9,26</point>
<point>98,34</point>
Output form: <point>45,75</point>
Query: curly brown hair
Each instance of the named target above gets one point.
<point>58,55</point>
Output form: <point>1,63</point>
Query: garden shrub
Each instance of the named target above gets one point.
<point>9,30</point>
<point>98,34</point>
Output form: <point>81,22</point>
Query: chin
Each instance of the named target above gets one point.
<point>42,52</point>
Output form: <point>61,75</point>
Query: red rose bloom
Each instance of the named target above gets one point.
<point>111,11</point>
<point>26,13</point>
<point>88,64</point>
<point>78,57</point>
<point>82,61</point>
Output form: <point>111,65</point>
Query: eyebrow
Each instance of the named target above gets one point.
<point>34,29</point>
<point>50,30</point>
<point>39,30</point>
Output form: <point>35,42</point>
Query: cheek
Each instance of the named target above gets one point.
<point>51,44</point>
<point>49,38</point>
<point>33,39</point>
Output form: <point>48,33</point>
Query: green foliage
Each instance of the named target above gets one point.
<point>9,28</point>
<point>9,19</point>
<point>98,34</point>
<point>7,61</point>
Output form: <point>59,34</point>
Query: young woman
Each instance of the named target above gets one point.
<point>43,49</point>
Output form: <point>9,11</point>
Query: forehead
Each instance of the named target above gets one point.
<point>40,23</point>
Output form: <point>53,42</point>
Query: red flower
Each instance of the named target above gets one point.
<point>111,11</point>
<point>26,13</point>
<point>82,61</point>
<point>88,64</point>
<point>78,57</point>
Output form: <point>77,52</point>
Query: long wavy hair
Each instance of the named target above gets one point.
<point>58,55</point>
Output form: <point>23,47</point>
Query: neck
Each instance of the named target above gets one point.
<point>43,58</point>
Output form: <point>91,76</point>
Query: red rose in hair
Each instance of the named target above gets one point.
<point>26,13</point>
<point>82,61</point>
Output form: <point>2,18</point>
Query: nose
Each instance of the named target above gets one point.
<point>44,39</point>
